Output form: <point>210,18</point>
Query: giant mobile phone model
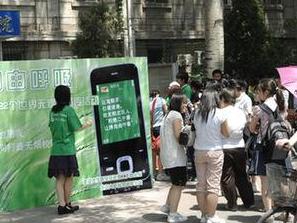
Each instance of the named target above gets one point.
<point>119,121</point>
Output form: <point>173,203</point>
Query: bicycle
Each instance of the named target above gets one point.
<point>285,204</point>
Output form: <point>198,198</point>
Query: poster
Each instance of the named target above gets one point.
<point>26,97</point>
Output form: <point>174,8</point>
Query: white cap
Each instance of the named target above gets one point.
<point>173,84</point>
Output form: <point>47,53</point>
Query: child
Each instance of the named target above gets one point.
<point>63,122</point>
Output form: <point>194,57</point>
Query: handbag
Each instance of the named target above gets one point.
<point>184,136</point>
<point>192,136</point>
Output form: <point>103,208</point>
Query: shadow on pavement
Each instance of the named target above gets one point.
<point>153,217</point>
<point>163,218</point>
<point>107,210</point>
<point>243,219</point>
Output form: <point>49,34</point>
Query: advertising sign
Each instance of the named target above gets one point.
<point>120,129</point>
<point>118,107</point>
<point>9,23</point>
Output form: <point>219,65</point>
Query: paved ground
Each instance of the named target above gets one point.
<point>134,207</point>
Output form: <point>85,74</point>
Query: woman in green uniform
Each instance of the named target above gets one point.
<point>63,122</point>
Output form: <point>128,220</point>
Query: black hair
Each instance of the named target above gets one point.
<point>62,96</point>
<point>176,102</point>
<point>197,85</point>
<point>270,86</point>
<point>217,71</point>
<point>227,95</point>
<point>241,85</point>
<point>208,103</point>
<point>213,85</point>
<point>231,83</point>
<point>154,93</point>
<point>183,76</point>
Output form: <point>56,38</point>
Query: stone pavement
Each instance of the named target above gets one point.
<point>134,207</point>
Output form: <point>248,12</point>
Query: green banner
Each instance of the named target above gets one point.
<point>26,97</point>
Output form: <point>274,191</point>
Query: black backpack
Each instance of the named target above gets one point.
<point>277,129</point>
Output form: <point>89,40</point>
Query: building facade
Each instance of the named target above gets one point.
<point>163,29</point>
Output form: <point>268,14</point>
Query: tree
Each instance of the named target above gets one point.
<point>247,41</point>
<point>214,35</point>
<point>100,29</point>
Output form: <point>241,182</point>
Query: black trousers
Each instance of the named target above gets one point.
<point>234,176</point>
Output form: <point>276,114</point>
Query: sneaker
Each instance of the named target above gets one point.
<point>203,219</point>
<point>228,208</point>
<point>282,217</point>
<point>64,210</point>
<point>269,220</point>
<point>165,209</point>
<point>176,217</point>
<point>162,177</point>
<point>215,219</point>
<point>252,206</point>
<point>74,207</point>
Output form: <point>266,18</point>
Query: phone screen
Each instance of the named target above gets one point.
<point>118,111</point>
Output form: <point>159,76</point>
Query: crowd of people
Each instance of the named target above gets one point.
<point>227,124</point>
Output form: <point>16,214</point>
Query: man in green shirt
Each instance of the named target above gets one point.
<point>182,78</point>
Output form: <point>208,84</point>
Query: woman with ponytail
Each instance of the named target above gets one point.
<point>63,122</point>
<point>272,99</point>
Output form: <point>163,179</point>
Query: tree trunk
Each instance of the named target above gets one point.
<point>214,35</point>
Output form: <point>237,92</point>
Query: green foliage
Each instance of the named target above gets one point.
<point>198,73</point>
<point>250,50</point>
<point>246,39</point>
<point>119,7</point>
<point>290,25</point>
<point>100,29</point>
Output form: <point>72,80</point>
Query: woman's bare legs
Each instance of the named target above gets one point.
<point>267,202</point>
<point>60,182</point>
<point>68,189</point>
<point>173,198</point>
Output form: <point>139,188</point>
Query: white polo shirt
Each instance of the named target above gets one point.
<point>236,120</point>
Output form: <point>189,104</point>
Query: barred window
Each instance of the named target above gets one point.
<point>158,1</point>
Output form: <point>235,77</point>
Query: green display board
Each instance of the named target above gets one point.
<point>26,97</point>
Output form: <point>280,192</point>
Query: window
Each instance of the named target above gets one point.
<point>14,50</point>
<point>154,55</point>
<point>228,2</point>
<point>158,1</point>
<point>273,2</point>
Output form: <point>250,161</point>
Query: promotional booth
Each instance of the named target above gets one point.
<point>113,155</point>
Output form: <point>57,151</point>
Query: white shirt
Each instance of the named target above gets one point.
<point>171,152</point>
<point>158,111</point>
<point>286,97</point>
<point>208,134</point>
<point>244,102</point>
<point>236,120</point>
